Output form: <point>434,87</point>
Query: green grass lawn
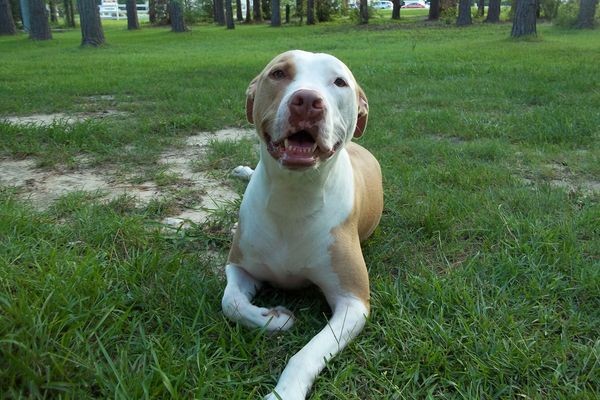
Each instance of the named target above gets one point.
<point>485,270</point>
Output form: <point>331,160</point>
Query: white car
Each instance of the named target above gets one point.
<point>415,4</point>
<point>382,5</point>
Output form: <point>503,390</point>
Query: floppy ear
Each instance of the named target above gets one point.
<point>250,100</point>
<point>363,114</point>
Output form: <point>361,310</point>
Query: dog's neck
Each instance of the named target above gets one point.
<point>299,194</point>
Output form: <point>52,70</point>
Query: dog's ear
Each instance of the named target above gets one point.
<point>363,114</point>
<point>250,92</point>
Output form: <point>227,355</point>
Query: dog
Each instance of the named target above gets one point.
<point>312,199</point>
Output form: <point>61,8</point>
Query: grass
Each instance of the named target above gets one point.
<point>484,270</point>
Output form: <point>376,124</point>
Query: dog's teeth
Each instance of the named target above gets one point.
<point>286,143</point>
<point>313,148</point>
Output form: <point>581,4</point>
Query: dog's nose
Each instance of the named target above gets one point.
<point>307,103</point>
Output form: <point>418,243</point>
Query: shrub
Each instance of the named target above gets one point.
<point>567,14</point>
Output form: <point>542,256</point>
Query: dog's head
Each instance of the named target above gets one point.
<point>306,106</point>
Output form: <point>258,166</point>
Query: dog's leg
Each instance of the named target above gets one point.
<point>298,376</point>
<point>239,292</point>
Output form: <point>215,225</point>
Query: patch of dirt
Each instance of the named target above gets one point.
<point>43,187</point>
<point>49,119</point>
<point>560,175</point>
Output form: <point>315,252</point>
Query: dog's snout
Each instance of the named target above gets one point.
<point>307,103</point>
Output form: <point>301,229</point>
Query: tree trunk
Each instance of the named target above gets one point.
<point>493,15</point>
<point>53,11</point>
<point>91,27</point>
<point>434,10</point>
<point>363,12</point>
<point>248,12</point>
<point>480,8</point>
<point>40,27</point>
<point>229,14</point>
<point>238,10</point>
<point>587,13</point>
<point>300,10</point>
<point>256,11</point>
<point>219,12</point>
<point>132,17</point>
<point>524,22</point>
<point>464,13</point>
<point>396,9</point>
<point>310,12</point>
<point>275,13</point>
<point>152,11</point>
<point>7,23</point>
<point>176,14</point>
<point>69,13</point>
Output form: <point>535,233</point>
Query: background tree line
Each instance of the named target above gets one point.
<point>37,16</point>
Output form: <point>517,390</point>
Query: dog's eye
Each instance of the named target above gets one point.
<point>277,74</point>
<point>339,82</point>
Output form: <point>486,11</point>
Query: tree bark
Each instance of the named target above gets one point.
<point>464,13</point>
<point>524,21</point>
<point>363,12</point>
<point>176,14</point>
<point>275,13</point>
<point>396,9</point>
<point>493,15</point>
<point>133,22</point>
<point>7,23</point>
<point>40,27</point>
<point>229,14</point>
<point>587,13</point>
<point>310,12</point>
<point>480,8</point>
<point>434,10</point>
<point>152,11</point>
<point>91,27</point>
<point>53,11</point>
<point>257,14</point>
<point>238,10</point>
<point>248,12</point>
<point>69,13</point>
<point>219,12</point>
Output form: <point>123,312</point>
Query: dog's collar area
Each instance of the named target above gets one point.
<point>298,150</point>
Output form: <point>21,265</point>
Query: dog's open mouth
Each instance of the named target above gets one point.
<point>298,150</point>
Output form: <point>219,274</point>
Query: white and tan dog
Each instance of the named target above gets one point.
<point>313,198</point>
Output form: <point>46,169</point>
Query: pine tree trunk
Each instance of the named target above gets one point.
<point>275,13</point>
<point>493,15</point>
<point>229,14</point>
<point>91,27</point>
<point>363,12</point>
<point>132,17</point>
<point>587,13</point>
<point>7,24</point>
<point>248,12</point>
<point>238,10</point>
<point>396,9</point>
<point>310,12</point>
<point>219,12</point>
<point>152,11</point>
<point>256,11</point>
<point>524,21</point>
<point>434,10</point>
<point>53,11</point>
<point>69,13</point>
<point>176,14</point>
<point>40,27</point>
<point>464,13</point>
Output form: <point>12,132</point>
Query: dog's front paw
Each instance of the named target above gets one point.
<point>278,318</point>
<point>277,396</point>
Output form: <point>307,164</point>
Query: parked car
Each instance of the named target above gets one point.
<point>382,5</point>
<point>415,4</point>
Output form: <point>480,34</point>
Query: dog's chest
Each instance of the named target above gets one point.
<point>287,253</point>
